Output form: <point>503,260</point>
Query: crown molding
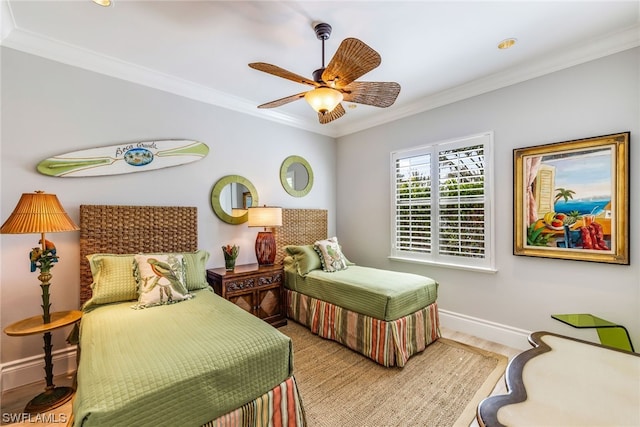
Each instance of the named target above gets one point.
<point>620,41</point>
<point>55,50</point>
<point>7,22</point>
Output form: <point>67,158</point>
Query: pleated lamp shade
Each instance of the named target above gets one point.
<point>38,213</point>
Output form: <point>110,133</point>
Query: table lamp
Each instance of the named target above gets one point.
<point>265,216</point>
<point>42,213</point>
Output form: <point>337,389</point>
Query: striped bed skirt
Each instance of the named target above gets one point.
<point>389,343</point>
<point>279,407</point>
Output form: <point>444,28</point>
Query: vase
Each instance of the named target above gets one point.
<point>230,253</point>
<point>229,262</point>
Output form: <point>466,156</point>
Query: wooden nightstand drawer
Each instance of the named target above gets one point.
<point>256,289</point>
<point>241,283</point>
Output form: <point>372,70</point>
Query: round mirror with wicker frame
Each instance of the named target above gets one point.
<point>231,196</point>
<point>296,176</point>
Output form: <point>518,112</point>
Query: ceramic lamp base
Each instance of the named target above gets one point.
<point>265,248</point>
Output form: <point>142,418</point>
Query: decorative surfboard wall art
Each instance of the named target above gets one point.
<point>124,158</point>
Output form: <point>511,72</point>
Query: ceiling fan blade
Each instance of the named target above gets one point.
<point>378,94</point>
<point>282,101</point>
<point>281,72</point>
<point>352,59</point>
<point>336,113</point>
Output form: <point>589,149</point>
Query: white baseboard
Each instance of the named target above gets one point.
<point>31,369</point>
<point>487,330</point>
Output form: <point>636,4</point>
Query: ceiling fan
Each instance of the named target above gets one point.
<point>336,82</point>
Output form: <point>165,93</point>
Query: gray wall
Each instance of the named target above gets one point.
<point>49,108</point>
<point>595,98</point>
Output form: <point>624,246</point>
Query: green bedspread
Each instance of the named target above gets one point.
<point>382,294</point>
<point>182,364</point>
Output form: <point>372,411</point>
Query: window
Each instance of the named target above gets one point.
<point>442,206</point>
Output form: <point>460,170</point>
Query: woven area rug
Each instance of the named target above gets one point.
<point>440,387</point>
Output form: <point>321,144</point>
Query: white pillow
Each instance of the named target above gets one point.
<point>161,279</point>
<point>331,255</point>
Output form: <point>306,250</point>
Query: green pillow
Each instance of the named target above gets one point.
<point>113,279</point>
<point>196,269</point>
<point>305,257</point>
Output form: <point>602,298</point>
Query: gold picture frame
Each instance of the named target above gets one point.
<point>571,200</point>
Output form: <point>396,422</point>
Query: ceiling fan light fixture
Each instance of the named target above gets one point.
<point>323,99</point>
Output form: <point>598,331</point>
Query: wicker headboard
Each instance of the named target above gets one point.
<point>300,227</point>
<point>133,229</point>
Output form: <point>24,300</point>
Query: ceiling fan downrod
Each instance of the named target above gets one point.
<point>323,31</point>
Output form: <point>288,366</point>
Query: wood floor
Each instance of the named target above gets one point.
<point>13,401</point>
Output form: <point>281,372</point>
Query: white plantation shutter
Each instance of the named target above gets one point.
<point>461,210</point>
<point>442,203</point>
<point>413,203</point>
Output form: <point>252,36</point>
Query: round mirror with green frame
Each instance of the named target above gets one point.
<point>231,196</point>
<point>296,176</point>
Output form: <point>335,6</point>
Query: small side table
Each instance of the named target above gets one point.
<point>257,289</point>
<point>610,334</point>
<point>53,396</point>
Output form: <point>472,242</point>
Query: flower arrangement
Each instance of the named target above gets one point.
<point>231,251</point>
<point>230,254</point>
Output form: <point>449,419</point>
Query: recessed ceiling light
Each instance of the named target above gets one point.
<point>105,3</point>
<point>507,43</point>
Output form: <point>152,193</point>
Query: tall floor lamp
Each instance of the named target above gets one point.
<point>267,217</point>
<point>42,213</point>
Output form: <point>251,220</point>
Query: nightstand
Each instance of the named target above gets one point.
<point>256,289</point>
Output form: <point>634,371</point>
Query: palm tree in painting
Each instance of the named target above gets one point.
<point>564,193</point>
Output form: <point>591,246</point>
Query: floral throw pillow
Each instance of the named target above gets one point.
<point>331,255</point>
<point>161,279</point>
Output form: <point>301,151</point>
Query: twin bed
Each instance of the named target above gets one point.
<point>385,315</point>
<point>202,361</point>
<point>205,361</point>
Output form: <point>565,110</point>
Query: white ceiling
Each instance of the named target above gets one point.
<point>439,51</point>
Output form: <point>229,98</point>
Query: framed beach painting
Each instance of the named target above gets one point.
<point>571,200</point>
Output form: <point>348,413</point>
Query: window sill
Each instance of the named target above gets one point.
<point>490,270</point>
